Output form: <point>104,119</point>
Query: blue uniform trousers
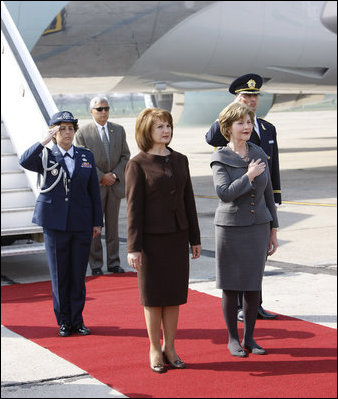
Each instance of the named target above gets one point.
<point>67,255</point>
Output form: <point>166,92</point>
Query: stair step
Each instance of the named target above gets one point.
<point>6,145</point>
<point>13,179</point>
<point>16,217</point>
<point>23,249</point>
<point>9,161</point>
<point>21,230</point>
<point>18,197</point>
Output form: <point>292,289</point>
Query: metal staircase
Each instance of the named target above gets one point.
<point>19,235</point>
<point>26,99</point>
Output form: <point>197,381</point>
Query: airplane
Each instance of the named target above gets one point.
<point>165,47</point>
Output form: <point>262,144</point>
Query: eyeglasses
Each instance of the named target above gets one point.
<point>100,109</point>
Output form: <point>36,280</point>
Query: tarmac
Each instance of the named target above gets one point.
<point>299,279</point>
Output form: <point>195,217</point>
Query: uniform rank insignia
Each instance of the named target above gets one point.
<point>251,83</point>
<point>86,165</point>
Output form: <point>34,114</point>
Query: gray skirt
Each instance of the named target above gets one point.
<point>241,253</point>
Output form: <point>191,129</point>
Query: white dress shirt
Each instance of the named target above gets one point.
<point>99,128</point>
<point>256,127</point>
<point>70,162</point>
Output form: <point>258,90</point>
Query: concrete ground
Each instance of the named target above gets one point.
<point>300,278</point>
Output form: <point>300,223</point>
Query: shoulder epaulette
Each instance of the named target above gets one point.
<point>261,119</point>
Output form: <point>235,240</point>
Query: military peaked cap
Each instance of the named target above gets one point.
<point>246,84</point>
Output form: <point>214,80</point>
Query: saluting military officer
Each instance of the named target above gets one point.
<point>69,210</point>
<point>246,89</point>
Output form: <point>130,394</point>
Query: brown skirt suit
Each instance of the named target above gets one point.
<point>162,221</point>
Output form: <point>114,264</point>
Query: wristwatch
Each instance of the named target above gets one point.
<point>116,177</point>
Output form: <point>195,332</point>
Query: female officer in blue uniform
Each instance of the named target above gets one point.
<point>69,210</point>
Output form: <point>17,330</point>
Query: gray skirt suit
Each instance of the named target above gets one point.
<point>245,214</point>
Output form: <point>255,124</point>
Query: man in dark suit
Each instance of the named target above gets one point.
<point>108,143</point>
<point>69,210</point>
<point>246,89</point>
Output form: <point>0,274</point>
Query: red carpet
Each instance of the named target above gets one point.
<point>301,360</point>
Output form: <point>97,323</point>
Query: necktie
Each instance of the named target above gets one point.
<point>69,163</point>
<point>255,138</point>
<point>105,141</point>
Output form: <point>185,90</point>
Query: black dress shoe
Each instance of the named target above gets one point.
<point>263,314</point>
<point>65,330</point>
<point>115,269</point>
<point>82,330</point>
<point>240,315</point>
<point>97,272</point>
<point>238,352</point>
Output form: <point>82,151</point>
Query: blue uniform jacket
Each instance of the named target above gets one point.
<point>268,142</point>
<point>74,204</point>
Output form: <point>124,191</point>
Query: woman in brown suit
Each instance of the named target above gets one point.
<point>162,221</point>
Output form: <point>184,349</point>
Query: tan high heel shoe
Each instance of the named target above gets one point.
<point>178,364</point>
<point>158,368</point>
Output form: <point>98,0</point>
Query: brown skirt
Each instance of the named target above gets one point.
<point>164,276</point>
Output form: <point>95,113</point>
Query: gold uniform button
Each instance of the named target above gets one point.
<point>66,199</point>
<point>252,203</point>
<point>252,211</point>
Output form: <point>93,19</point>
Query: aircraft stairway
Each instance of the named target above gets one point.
<point>19,236</point>
<point>25,111</point>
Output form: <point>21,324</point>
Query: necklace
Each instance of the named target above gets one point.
<point>246,154</point>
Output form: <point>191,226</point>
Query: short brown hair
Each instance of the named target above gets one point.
<point>144,124</point>
<point>76,128</point>
<point>232,113</point>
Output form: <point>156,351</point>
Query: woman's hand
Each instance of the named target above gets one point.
<point>196,251</point>
<point>273,243</point>
<point>51,133</point>
<point>255,168</point>
<point>135,260</point>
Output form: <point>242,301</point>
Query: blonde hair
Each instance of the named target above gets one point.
<point>144,124</point>
<point>232,113</point>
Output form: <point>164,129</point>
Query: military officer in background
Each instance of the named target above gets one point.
<point>246,89</point>
<point>69,210</point>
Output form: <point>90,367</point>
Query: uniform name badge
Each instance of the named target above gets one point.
<point>54,172</point>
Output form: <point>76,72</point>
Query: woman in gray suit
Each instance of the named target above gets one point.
<point>245,223</point>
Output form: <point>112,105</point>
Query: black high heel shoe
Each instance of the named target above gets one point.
<point>237,352</point>
<point>254,349</point>
<point>178,364</point>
